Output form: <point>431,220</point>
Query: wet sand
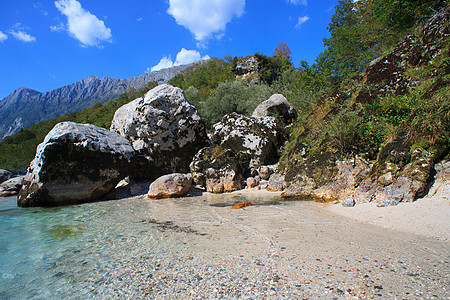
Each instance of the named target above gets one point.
<point>285,250</point>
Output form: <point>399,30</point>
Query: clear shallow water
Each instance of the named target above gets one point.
<point>89,250</point>
<point>50,252</point>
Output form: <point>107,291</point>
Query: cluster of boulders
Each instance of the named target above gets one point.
<point>161,134</point>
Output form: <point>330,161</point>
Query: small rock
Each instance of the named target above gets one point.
<point>349,202</point>
<point>5,175</point>
<point>251,182</point>
<point>11,187</point>
<point>242,205</point>
<point>170,186</point>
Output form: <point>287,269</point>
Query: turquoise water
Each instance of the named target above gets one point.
<point>109,249</point>
<point>49,253</point>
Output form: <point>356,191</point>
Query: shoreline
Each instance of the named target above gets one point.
<point>428,216</point>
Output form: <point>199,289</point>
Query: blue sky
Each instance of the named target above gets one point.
<point>48,44</point>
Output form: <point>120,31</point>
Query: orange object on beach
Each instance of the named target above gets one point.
<point>242,205</point>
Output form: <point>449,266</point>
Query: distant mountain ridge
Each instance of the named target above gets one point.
<point>25,107</point>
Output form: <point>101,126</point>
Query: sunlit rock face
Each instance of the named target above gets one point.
<point>76,163</point>
<point>165,130</point>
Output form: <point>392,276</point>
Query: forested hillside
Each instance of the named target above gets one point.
<point>342,110</point>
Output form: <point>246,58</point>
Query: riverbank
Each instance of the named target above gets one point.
<point>197,247</point>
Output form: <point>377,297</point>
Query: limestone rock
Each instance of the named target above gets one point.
<point>217,169</point>
<point>11,186</point>
<point>398,175</point>
<point>247,65</point>
<point>349,202</point>
<point>276,183</point>
<point>252,182</point>
<point>257,138</point>
<point>5,175</point>
<point>265,171</point>
<point>170,186</point>
<point>441,184</point>
<point>276,106</point>
<point>336,186</point>
<point>164,128</point>
<point>75,163</point>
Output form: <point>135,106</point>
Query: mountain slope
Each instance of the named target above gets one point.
<point>25,107</point>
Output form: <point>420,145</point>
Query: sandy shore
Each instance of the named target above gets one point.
<point>293,250</point>
<point>428,217</point>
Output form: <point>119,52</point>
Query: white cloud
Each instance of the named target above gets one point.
<point>22,36</point>
<point>301,20</point>
<point>164,63</point>
<point>3,37</point>
<point>296,2</point>
<point>184,57</point>
<point>59,27</point>
<point>139,19</point>
<point>205,17</point>
<point>83,25</point>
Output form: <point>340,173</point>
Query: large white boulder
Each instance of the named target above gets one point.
<point>76,163</point>
<point>164,128</point>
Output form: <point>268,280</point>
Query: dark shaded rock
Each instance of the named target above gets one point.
<point>170,186</point>
<point>217,169</point>
<point>385,75</point>
<point>5,175</point>
<point>76,163</point>
<point>259,139</point>
<point>276,106</point>
<point>165,130</point>
<point>437,27</point>
<point>11,186</point>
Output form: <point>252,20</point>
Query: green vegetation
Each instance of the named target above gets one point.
<point>18,150</point>
<point>333,121</point>
<point>65,231</point>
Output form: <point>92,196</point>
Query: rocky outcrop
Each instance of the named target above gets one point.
<point>278,107</point>
<point>25,107</point>
<point>246,65</point>
<point>5,175</point>
<point>217,169</point>
<point>337,182</point>
<point>257,140</point>
<point>398,175</point>
<point>164,129</point>
<point>76,163</point>
<point>11,186</point>
<point>170,186</point>
<point>247,69</point>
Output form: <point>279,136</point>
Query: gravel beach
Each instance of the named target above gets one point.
<point>275,250</point>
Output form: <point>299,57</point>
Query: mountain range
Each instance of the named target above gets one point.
<point>25,107</point>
